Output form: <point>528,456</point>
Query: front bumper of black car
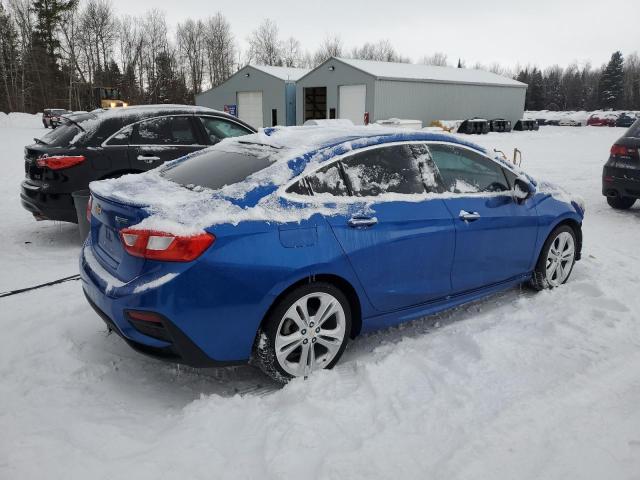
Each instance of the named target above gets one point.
<point>45,205</point>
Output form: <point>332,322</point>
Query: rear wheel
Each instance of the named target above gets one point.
<point>307,330</point>
<point>621,203</point>
<point>556,260</point>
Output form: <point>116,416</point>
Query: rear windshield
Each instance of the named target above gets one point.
<point>61,136</point>
<point>220,166</point>
<point>634,130</point>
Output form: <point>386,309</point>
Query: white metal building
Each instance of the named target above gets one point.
<point>361,90</point>
<point>262,96</point>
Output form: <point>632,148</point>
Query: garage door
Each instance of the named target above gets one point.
<point>352,100</point>
<point>250,108</point>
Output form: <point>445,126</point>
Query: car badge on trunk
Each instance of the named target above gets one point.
<point>98,209</point>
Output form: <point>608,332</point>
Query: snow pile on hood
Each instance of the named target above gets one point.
<point>175,208</point>
<point>20,120</point>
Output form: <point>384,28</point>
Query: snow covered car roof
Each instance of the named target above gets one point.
<point>290,152</point>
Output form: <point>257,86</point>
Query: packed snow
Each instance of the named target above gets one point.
<point>517,386</point>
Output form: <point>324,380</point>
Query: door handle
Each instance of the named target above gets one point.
<point>468,216</point>
<point>362,222</point>
<point>148,158</point>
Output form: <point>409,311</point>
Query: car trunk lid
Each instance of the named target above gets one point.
<point>108,217</point>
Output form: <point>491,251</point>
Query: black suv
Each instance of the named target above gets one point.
<point>110,143</point>
<point>621,173</point>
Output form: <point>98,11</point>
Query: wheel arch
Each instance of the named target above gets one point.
<point>339,282</point>
<point>576,226</point>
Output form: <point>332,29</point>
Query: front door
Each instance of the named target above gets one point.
<point>495,235</point>
<point>160,139</point>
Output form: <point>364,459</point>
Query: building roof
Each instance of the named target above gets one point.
<point>283,73</point>
<point>429,73</point>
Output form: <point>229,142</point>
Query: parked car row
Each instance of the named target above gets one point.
<point>281,247</point>
<point>479,126</point>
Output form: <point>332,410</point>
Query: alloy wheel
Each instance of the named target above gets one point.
<point>310,334</point>
<point>560,259</point>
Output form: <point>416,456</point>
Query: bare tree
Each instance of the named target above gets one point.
<point>265,47</point>
<point>219,49</point>
<point>191,40</point>
<point>330,47</point>
<point>438,59</point>
<point>381,51</point>
<point>291,54</point>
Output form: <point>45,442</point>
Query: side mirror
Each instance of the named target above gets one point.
<point>522,189</point>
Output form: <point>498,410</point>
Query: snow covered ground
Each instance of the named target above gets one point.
<point>518,386</point>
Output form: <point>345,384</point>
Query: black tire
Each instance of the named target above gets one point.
<point>264,350</point>
<point>621,203</point>
<point>539,278</point>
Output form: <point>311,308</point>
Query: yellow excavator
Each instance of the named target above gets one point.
<point>108,97</point>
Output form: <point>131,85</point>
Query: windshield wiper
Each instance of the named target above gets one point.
<point>40,141</point>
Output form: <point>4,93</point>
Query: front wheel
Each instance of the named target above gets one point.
<point>307,330</point>
<point>621,203</point>
<point>556,260</point>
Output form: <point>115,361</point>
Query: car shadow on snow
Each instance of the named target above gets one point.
<point>182,384</point>
<point>48,234</point>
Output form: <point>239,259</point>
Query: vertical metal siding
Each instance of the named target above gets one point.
<point>272,88</point>
<point>428,101</point>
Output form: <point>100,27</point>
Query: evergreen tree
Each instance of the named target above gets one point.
<point>611,86</point>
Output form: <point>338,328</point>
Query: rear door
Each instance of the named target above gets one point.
<point>400,246</point>
<point>495,235</point>
<point>160,139</point>
<point>250,108</point>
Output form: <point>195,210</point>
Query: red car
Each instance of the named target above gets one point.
<point>600,120</point>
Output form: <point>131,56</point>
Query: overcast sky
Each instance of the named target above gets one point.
<point>541,32</point>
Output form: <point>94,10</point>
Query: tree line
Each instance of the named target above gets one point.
<point>55,53</point>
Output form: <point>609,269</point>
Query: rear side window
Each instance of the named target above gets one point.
<point>400,169</point>
<point>217,129</point>
<point>214,168</point>
<point>403,169</point>
<point>63,135</point>
<point>122,137</point>
<point>463,171</point>
<point>164,131</point>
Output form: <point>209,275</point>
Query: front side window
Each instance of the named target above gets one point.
<point>164,131</point>
<point>217,129</point>
<point>463,171</point>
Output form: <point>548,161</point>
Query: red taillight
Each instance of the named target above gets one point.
<point>60,162</point>
<point>89,208</point>
<point>624,151</point>
<point>164,246</point>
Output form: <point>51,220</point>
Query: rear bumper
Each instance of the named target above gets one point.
<point>50,206</point>
<point>111,304</point>
<point>179,350</point>
<point>620,187</point>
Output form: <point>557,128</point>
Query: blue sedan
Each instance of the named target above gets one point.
<point>279,247</point>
